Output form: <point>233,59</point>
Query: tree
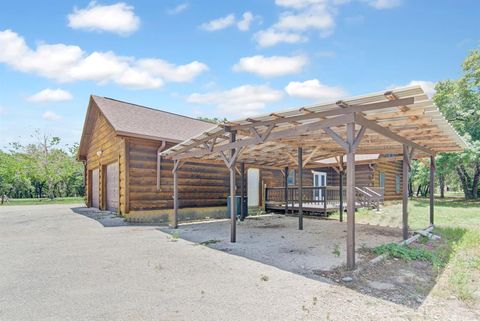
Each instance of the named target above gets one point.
<point>213,120</point>
<point>41,168</point>
<point>459,101</point>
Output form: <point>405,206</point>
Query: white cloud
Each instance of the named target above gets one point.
<point>271,37</point>
<point>300,17</point>
<point>3,110</point>
<point>50,115</point>
<point>244,24</point>
<point>318,17</point>
<point>384,4</point>
<point>218,24</point>
<point>178,9</point>
<point>229,20</point>
<point>66,63</point>
<point>246,100</point>
<point>51,95</point>
<point>271,66</point>
<point>428,86</point>
<point>171,72</point>
<point>298,4</point>
<point>118,18</point>
<point>314,89</point>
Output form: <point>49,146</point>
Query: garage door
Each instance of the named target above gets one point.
<point>112,187</point>
<point>95,188</point>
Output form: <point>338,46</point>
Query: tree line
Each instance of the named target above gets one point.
<point>40,169</point>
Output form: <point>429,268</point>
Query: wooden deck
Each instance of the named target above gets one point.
<point>319,200</point>
<point>311,208</point>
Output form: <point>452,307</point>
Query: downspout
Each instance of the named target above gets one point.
<point>159,162</point>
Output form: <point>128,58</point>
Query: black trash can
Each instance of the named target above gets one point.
<point>238,205</point>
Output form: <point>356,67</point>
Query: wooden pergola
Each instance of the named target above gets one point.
<point>401,121</point>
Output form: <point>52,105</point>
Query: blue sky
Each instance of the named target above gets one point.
<point>217,58</point>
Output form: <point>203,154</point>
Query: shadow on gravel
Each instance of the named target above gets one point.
<point>106,218</point>
<point>110,219</point>
<point>403,282</point>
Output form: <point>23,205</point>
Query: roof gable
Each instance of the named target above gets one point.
<point>133,120</point>
<point>139,121</point>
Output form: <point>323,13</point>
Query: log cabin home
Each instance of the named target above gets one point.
<point>124,172</point>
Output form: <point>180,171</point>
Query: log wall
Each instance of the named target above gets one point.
<point>104,139</point>
<point>390,170</point>
<point>199,184</point>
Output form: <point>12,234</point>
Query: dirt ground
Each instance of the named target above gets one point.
<point>275,240</point>
<point>403,282</point>
<point>59,263</point>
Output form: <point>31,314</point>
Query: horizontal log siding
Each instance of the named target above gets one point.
<point>105,139</point>
<point>275,178</point>
<point>391,169</point>
<point>199,184</point>
<point>363,175</point>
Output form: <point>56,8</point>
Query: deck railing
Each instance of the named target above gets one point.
<point>323,198</point>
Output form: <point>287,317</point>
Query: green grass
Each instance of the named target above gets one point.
<point>457,222</point>
<point>449,212</point>
<point>43,201</point>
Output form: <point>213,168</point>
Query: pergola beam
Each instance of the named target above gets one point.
<point>372,125</point>
<point>300,188</point>
<point>233,187</point>
<point>405,174</point>
<point>291,132</point>
<point>432,188</point>
<point>328,113</point>
<point>350,197</point>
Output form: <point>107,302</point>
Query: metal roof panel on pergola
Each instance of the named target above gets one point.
<point>399,121</point>
<point>390,119</point>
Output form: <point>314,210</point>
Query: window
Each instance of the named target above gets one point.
<point>397,184</point>
<point>291,177</point>
<point>382,179</point>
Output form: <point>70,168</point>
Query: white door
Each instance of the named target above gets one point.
<point>112,187</point>
<point>319,180</point>
<point>253,186</point>
<point>95,188</point>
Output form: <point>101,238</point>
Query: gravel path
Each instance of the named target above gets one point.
<point>56,264</point>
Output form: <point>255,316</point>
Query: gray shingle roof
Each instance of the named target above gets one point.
<point>133,120</point>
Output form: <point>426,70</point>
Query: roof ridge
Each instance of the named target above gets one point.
<point>154,109</point>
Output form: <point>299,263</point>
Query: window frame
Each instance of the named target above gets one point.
<point>381,179</point>
<point>292,177</point>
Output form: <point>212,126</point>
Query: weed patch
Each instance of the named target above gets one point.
<point>404,252</point>
<point>208,242</point>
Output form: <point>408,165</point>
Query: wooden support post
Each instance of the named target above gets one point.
<point>300,188</point>
<point>340,188</point>
<point>350,197</point>
<point>242,191</point>
<point>406,164</point>
<point>286,190</point>
<point>432,188</point>
<point>233,212</point>
<point>175,194</point>
<point>325,200</point>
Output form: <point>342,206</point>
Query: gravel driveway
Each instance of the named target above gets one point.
<point>56,264</point>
